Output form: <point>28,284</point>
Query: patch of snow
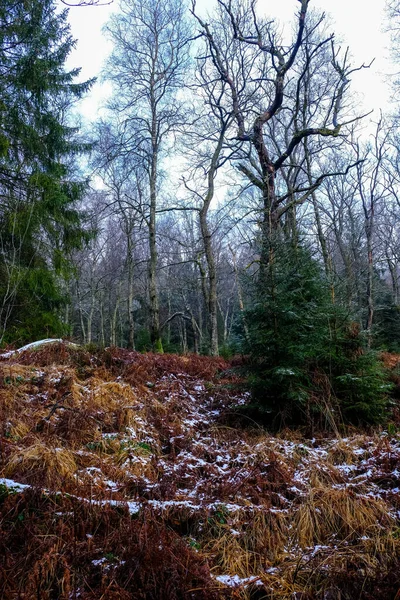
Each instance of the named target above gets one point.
<point>13,485</point>
<point>99,561</point>
<point>236,581</point>
<point>37,344</point>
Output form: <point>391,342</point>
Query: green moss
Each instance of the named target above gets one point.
<point>158,346</point>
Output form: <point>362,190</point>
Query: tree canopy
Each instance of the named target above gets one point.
<point>39,189</point>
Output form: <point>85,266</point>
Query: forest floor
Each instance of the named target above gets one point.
<point>126,476</point>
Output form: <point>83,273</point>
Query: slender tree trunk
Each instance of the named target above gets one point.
<point>155,333</point>
<point>225,318</point>
<point>370,283</point>
<point>195,326</point>
<point>90,319</point>
<point>102,332</point>
<point>212,281</point>
<point>114,315</point>
<point>121,330</point>
<point>203,279</point>
<point>320,233</point>
<point>113,330</point>
<point>196,337</point>
<point>89,325</point>
<point>200,311</point>
<point>349,278</point>
<point>212,300</point>
<point>394,278</point>
<point>81,319</point>
<point>67,316</point>
<point>321,237</point>
<point>183,335</point>
<point>131,335</point>
<point>169,313</point>
<point>239,294</point>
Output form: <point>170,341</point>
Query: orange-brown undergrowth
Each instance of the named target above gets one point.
<point>122,477</point>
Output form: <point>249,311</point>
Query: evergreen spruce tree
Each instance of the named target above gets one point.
<point>39,219</point>
<point>307,362</point>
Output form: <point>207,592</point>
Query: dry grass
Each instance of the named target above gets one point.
<point>226,553</point>
<point>18,430</point>
<point>50,466</point>
<point>339,513</point>
<point>284,517</point>
<point>348,451</point>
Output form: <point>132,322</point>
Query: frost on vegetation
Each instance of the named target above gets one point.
<point>236,581</point>
<point>13,486</point>
<point>107,563</point>
<point>176,459</point>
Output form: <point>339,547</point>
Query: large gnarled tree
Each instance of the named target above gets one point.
<point>265,91</point>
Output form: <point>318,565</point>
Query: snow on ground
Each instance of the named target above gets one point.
<point>165,445</point>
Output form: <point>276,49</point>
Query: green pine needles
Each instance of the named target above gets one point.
<point>308,366</point>
<point>39,193</point>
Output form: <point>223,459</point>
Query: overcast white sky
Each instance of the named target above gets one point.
<point>358,25</point>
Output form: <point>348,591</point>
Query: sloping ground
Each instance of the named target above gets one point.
<point>121,478</point>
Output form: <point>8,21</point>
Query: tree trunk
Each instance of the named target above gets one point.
<point>81,319</point>
<point>212,298</point>
<point>195,326</point>
<point>269,222</point>
<point>183,335</point>
<point>370,284</point>
<point>131,334</point>
<point>155,333</point>
<point>239,294</point>
<point>212,282</point>
<point>113,328</point>
<point>89,324</point>
<point>102,333</point>
<point>114,316</point>
<point>394,278</point>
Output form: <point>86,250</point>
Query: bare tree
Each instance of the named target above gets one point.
<point>209,150</point>
<point>269,83</point>
<point>147,68</point>
<point>373,188</point>
<point>122,175</point>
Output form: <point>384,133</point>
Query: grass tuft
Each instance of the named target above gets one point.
<point>38,463</point>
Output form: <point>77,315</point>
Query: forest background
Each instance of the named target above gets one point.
<point>234,196</point>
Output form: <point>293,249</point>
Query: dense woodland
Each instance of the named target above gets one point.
<point>232,199</point>
<point>219,250</point>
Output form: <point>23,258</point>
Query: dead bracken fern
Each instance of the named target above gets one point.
<point>140,487</point>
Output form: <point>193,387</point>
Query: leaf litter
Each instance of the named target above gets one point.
<point>124,476</point>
